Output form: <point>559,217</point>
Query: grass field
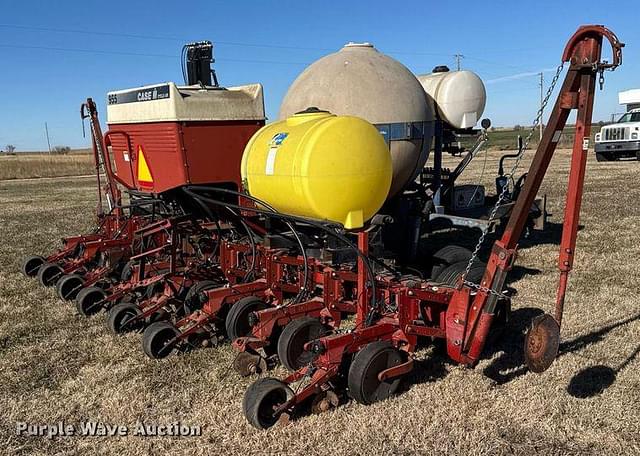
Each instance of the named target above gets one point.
<point>506,139</point>
<point>24,165</point>
<point>57,366</point>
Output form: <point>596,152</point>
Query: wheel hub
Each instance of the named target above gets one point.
<point>542,343</point>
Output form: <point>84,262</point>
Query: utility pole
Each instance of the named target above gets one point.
<point>541,102</point>
<point>46,130</point>
<point>458,58</point>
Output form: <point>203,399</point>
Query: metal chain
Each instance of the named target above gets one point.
<point>503,193</point>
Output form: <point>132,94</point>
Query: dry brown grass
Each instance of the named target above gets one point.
<point>24,166</point>
<point>58,366</point>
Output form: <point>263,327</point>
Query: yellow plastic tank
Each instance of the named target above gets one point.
<point>321,166</point>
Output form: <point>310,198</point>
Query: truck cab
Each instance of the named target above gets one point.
<point>621,139</point>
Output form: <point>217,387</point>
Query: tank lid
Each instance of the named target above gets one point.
<point>440,69</point>
<point>311,110</point>
<point>352,44</point>
<point>311,113</point>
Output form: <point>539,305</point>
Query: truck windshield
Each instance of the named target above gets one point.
<point>630,117</point>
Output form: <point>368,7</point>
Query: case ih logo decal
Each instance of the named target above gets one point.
<point>133,96</point>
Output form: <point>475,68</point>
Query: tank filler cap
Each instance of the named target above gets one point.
<point>352,44</point>
<point>312,110</point>
<point>311,113</point>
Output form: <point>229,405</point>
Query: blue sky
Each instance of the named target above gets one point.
<point>47,73</point>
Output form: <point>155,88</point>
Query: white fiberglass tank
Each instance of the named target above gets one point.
<point>460,96</point>
<point>360,81</point>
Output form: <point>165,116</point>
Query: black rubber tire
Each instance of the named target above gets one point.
<point>603,157</point>
<point>120,314</point>
<point>31,265</point>
<point>153,289</point>
<point>88,299</point>
<point>260,399</point>
<point>293,338</point>
<point>158,315</point>
<point>447,256</point>
<point>127,271</point>
<point>156,337</point>
<point>49,273</point>
<point>364,386</point>
<point>451,274</point>
<point>237,321</point>
<point>68,286</point>
<point>195,298</point>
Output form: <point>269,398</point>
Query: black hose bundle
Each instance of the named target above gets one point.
<point>330,229</point>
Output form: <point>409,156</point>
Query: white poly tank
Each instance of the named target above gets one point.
<point>459,96</point>
<point>358,80</point>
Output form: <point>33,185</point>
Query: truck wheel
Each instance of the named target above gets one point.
<point>447,256</point>
<point>451,274</point>
<point>603,157</point>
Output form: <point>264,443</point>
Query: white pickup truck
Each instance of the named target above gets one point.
<point>621,139</point>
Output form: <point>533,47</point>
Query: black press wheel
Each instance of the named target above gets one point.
<point>127,271</point>
<point>68,286</point>
<point>447,256</point>
<point>31,265</point>
<point>293,338</point>
<point>237,321</point>
<point>158,339</point>
<point>153,289</point>
<point>121,318</point>
<point>364,385</point>
<point>195,298</point>
<point>89,301</point>
<point>262,398</point>
<point>451,274</point>
<point>49,273</point>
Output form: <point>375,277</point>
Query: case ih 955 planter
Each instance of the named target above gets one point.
<point>270,236</point>
<point>393,315</point>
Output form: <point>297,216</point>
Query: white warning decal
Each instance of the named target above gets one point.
<point>271,161</point>
<point>556,136</point>
<point>585,143</point>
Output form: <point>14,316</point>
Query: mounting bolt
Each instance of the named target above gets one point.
<point>410,293</point>
<point>502,255</point>
<point>457,342</point>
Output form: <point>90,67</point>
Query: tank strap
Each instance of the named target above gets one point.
<point>402,131</point>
